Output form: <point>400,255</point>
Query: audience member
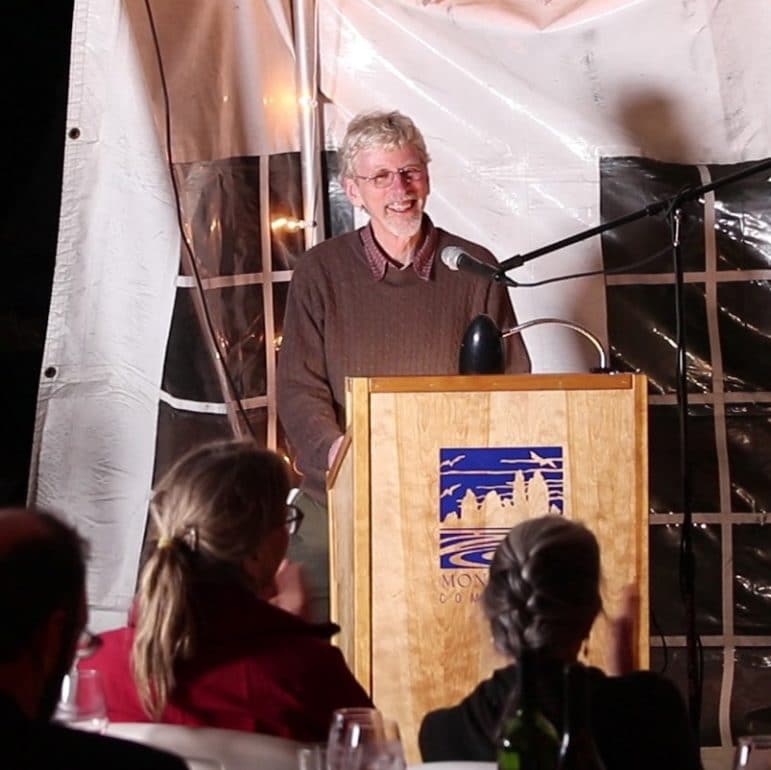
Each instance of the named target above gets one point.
<point>544,595</point>
<point>203,647</point>
<point>43,607</point>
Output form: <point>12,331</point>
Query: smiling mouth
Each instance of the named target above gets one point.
<point>402,207</point>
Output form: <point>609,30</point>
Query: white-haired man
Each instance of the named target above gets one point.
<point>377,301</point>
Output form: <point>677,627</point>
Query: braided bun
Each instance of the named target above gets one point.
<point>543,592</point>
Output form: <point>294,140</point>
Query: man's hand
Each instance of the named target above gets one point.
<point>333,450</point>
<point>622,656</point>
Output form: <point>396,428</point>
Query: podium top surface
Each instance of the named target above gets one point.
<point>502,382</point>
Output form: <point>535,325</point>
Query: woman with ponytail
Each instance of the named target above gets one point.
<point>543,595</point>
<point>203,645</point>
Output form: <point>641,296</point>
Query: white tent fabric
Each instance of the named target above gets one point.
<point>111,302</point>
<point>119,246</point>
<point>518,100</point>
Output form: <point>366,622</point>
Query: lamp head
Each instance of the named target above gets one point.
<point>481,350</point>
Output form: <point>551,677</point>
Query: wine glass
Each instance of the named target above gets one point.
<point>82,703</point>
<point>338,729</point>
<point>312,757</point>
<point>753,752</point>
<point>373,746</point>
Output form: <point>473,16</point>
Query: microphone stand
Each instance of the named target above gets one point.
<point>653,209</point>
<point>672,208</point>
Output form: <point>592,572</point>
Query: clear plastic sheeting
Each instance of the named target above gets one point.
<point>726,247</point>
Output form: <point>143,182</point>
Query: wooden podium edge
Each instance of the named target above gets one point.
<point>642,506</point>
<point>455,383</point>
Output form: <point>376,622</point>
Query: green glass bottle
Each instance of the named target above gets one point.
<point>527,739</point>
<point>578,751</point>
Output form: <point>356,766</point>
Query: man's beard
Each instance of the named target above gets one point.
<point>402,226</point>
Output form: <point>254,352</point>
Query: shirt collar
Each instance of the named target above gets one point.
<point>422,260</point>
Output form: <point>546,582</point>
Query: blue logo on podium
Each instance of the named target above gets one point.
<point>484,492</point>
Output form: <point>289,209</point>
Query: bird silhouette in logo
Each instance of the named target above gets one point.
<point>450,463</point>
<point>449,491</point>
<point>542,461</point>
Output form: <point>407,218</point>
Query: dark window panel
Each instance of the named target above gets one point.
<point>629,184</point>
<point>280,293</point>
<point>665,487</point>
<point>667,612</point>
<point>222,210</point>
<point>752,578</point>
<point>742,220</point>
<point>180,431</point>
<point>751,696</point>
<point>673,663</point>
<point>748,428</point>
<point>238,316</point>
<point>641,327</point>
<point>339,213</point>
<point>286,200</point>
<point>745,335</point>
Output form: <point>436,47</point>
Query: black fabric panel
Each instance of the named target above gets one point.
<point>641,333</point>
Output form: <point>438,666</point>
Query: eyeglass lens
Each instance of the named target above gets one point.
<point>386,178</point>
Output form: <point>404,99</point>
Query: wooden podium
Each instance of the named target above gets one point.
<point>433,472</point>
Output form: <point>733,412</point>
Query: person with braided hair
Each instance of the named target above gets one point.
<point>543,595</point>
<point>208,641</point>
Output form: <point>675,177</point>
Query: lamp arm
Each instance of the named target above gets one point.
<point>570,325</point>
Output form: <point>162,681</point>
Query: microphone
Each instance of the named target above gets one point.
<point>456,259</point>
<point>481,351</point>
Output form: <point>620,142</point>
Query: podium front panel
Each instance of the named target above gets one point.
<point>452,466</point>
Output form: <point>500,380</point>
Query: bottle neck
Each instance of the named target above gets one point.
<point>527,682</point>
<point>577,702</point>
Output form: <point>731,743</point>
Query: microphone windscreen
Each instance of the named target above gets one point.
<point>451,256</point>
<point>481,350</point>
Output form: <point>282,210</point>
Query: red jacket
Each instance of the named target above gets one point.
<point>257,668</point>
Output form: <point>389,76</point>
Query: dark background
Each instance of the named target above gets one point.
<point>35,55</point>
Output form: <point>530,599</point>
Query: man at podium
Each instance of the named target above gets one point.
<point>378,301</point>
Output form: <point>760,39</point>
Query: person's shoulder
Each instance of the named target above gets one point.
<point>335,250</point>
<point>639,680</point>
<point>642,687</point>
<point>276,620</point>
<point>74,748</point>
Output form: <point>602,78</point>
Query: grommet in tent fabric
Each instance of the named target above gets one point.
<point>74,133</point>
<point>50,371</point>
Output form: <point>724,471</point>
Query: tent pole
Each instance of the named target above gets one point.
<point>306,74</point>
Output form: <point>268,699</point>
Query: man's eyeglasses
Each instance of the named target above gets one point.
<point>385,178</point>
<point>294,517</point>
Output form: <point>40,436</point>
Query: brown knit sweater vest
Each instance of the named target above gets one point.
<point>341,322</point>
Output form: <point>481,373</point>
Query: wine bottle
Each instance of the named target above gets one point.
<point>527,739</point>
<point>578,751</point>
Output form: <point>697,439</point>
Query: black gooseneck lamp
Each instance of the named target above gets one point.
<point>482,350</point>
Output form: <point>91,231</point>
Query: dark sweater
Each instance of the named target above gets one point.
<point>341,321</point>
<point>31,745</point>
<point>639,721</point>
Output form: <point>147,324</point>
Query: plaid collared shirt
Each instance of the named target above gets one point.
<point>422,260</point>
